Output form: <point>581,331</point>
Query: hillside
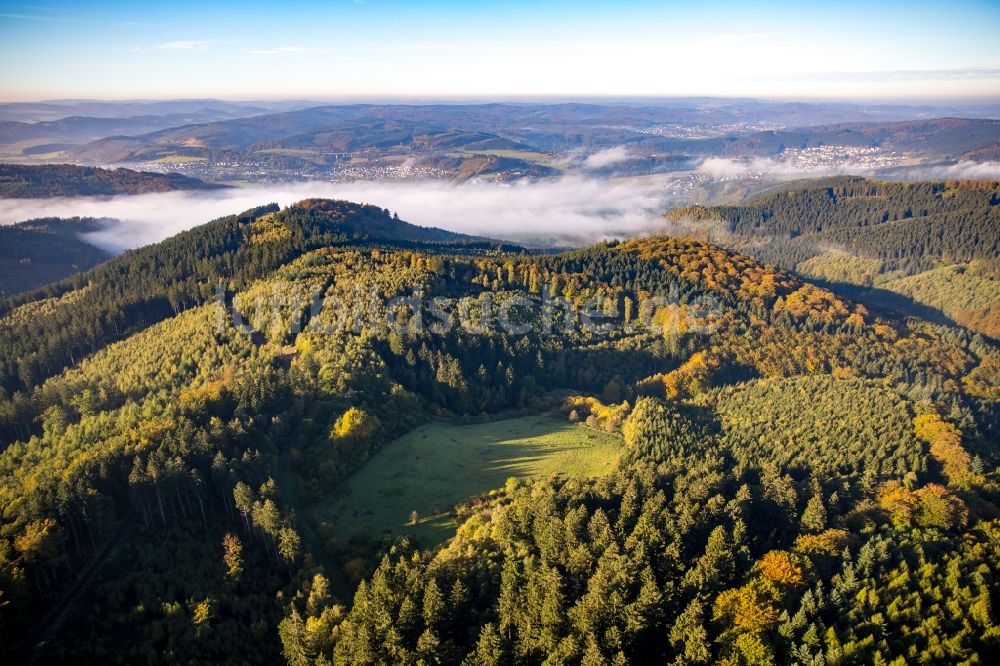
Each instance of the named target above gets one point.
<point>191,429</point>
<point>968,293</point>
<point>955,138</point>
<point>66,180</point>
<point>147,285</point>
<point>37,252</point>
<point>873,234</point>
<point>537,140</point>
<point>561,126</point>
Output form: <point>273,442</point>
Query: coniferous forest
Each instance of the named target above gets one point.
<point>796,477</point>
<point>563,333</point>
<point>924,248</point>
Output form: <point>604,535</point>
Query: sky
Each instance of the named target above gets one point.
<point>369,49</point>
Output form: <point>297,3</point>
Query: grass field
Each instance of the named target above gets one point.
<point>543,159</point>
<point>179,159</point>
<point>435,466</point>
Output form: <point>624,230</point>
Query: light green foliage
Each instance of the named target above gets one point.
<point>841,267</point>
<point>831,426</point>
<point>969,294</point>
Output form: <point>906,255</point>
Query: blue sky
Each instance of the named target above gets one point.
<point>374,48</point>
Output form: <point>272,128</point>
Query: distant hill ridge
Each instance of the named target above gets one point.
<point>553,127</point>
<point>67,180</point>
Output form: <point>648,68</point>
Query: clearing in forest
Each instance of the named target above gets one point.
<point>437,465</point>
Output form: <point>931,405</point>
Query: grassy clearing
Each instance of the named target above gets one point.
<point>543,159</point>
<point>178,159</point>
<point>435,466</point>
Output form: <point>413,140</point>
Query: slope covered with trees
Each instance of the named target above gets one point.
<point>66,180</point>
<point>799,480</point>
<point>37,252</point>
<point>933,242</point>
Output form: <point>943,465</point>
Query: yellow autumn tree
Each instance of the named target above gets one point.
<point>693,377</point>
<point>897,501</point>
<point>783,568</point>
<point>355,424</point>
<point>930,506</point>
<point>827,542</point>
<point>232,555</point>
<point>749,608</point>
<point>938,507</point>
<point>945,442</point>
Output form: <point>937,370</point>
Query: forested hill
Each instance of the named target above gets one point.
<point>937,243</point>
<point>953,220</point>
<point>146,285</point>
<point>792,479</point>
<point>370,222</point>
<point>66,180</point>
<point>38,252</point>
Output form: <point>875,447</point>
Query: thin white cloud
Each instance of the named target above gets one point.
<point>961,74</point>
<point>185,45</point>
<point>32,17</point>
<point>607,157</point>
<point>279,50</point>
<point>964,170</point>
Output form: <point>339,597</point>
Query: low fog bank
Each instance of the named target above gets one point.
<point>566,212</point>
<point>723,168</point>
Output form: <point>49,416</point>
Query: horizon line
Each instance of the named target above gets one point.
<point>526,97</point>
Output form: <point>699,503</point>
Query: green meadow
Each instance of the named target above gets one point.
<point>437,465</point>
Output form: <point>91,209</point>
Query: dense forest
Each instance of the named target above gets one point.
<point>38,252</point>
<point>66,180</point>
<point>936,244</point>
<point>800,479</point>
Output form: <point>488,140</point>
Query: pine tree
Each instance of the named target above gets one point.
<point>489,648</point>
<point>689,637</point>
<point>814,516</point>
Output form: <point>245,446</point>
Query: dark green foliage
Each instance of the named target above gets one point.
<point>37,252</point>
<point>895,222</point>
<point>66,180</point>
<point>823,426</point>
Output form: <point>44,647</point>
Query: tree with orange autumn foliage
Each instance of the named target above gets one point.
<point>945,442</point>
<point>783,568</point>
<point>930,506</point>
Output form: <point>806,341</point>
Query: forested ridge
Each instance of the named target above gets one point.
<point>887,238</point>
<point>67,180</point>
<point>953,220</point>
<point>801,481</point>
